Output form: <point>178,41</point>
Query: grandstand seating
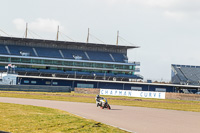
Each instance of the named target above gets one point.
<point>99,56</point>
<point>129,76</point>
<point>50,71</point>
<point>118,57</point>
<point>186,74</point>
<point>2,69</point>
<point>190,73</point>
<point>180,74</point>
<point>70,53</point>
<point>15,50</point>
<point>83,73</point>
<point>3,49</point>
<point>48,52</point>
<point>70,72</point>
<point>26,70</point>
<point>67,53</point>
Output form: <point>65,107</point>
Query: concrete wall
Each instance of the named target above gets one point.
<point>39,88</point>
<point>87,90</point>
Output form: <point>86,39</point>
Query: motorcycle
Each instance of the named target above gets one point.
<point>103,103</point>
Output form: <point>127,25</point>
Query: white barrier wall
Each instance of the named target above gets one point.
<point>130,93</point>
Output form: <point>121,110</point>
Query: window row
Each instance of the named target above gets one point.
<point>35,82</point>
<point>67,63</point>
<point>156,89</point>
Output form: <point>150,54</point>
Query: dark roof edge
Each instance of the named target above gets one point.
<point>58,42</point>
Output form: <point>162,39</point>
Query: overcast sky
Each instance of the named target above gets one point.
<point>167,31</point>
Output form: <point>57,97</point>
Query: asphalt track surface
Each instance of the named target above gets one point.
<point>134,119</point>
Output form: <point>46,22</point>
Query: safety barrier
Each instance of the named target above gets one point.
<point>38,88</point>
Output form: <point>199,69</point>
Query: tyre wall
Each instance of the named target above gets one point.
<point>87,90</point>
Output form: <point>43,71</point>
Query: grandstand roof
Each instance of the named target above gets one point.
<point>29,40</point>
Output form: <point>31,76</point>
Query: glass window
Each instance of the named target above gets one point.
<point>33,82</point>
<point>87,64</point>
<point>48,62</point>
<point>119,66</point>
<point>25,60</point>
<point>130,67</point>
<point>78,64</point>
<point>68,63</point>
<point>57,62</point>
<point>47,82</point>
<point>136,88</point>
<point>109,66</point>
<point>127,67</point>
<point>54,68</point>
<point>15,60</point>
<point>161,89</point>
<point>99,65</point>
<point>26,81</point>
<point>93,65</point>
<point>35,61</point>
<point>79,85</point>
<point>4,59</point>
<point>55,83</point>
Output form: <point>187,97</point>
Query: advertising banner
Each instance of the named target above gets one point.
<point>130,93</point>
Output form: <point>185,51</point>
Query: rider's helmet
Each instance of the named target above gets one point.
<point>97,96</point>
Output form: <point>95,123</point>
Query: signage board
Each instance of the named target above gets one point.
<point>130,93</point>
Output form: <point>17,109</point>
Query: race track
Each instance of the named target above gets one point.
<point>134,119</point>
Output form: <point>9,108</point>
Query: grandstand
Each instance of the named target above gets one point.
<point>83,65</point>
<point>46,58</point>
<point>185,74</point>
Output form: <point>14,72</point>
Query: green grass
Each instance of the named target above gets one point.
<point>126,101</point>
<point>31,119</point>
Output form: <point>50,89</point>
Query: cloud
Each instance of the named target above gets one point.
<point>171,9</point>
<point>158,3</point>
<point>151,3</point>
<point>176,15</point>
<point>19,24</point>
<point>39,24</point>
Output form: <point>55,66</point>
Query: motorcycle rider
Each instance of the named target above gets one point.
<point>98,98</point>
<point>102,102</point>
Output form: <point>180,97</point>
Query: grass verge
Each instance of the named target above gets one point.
<point>126,101</point>
<point>31,119</point>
